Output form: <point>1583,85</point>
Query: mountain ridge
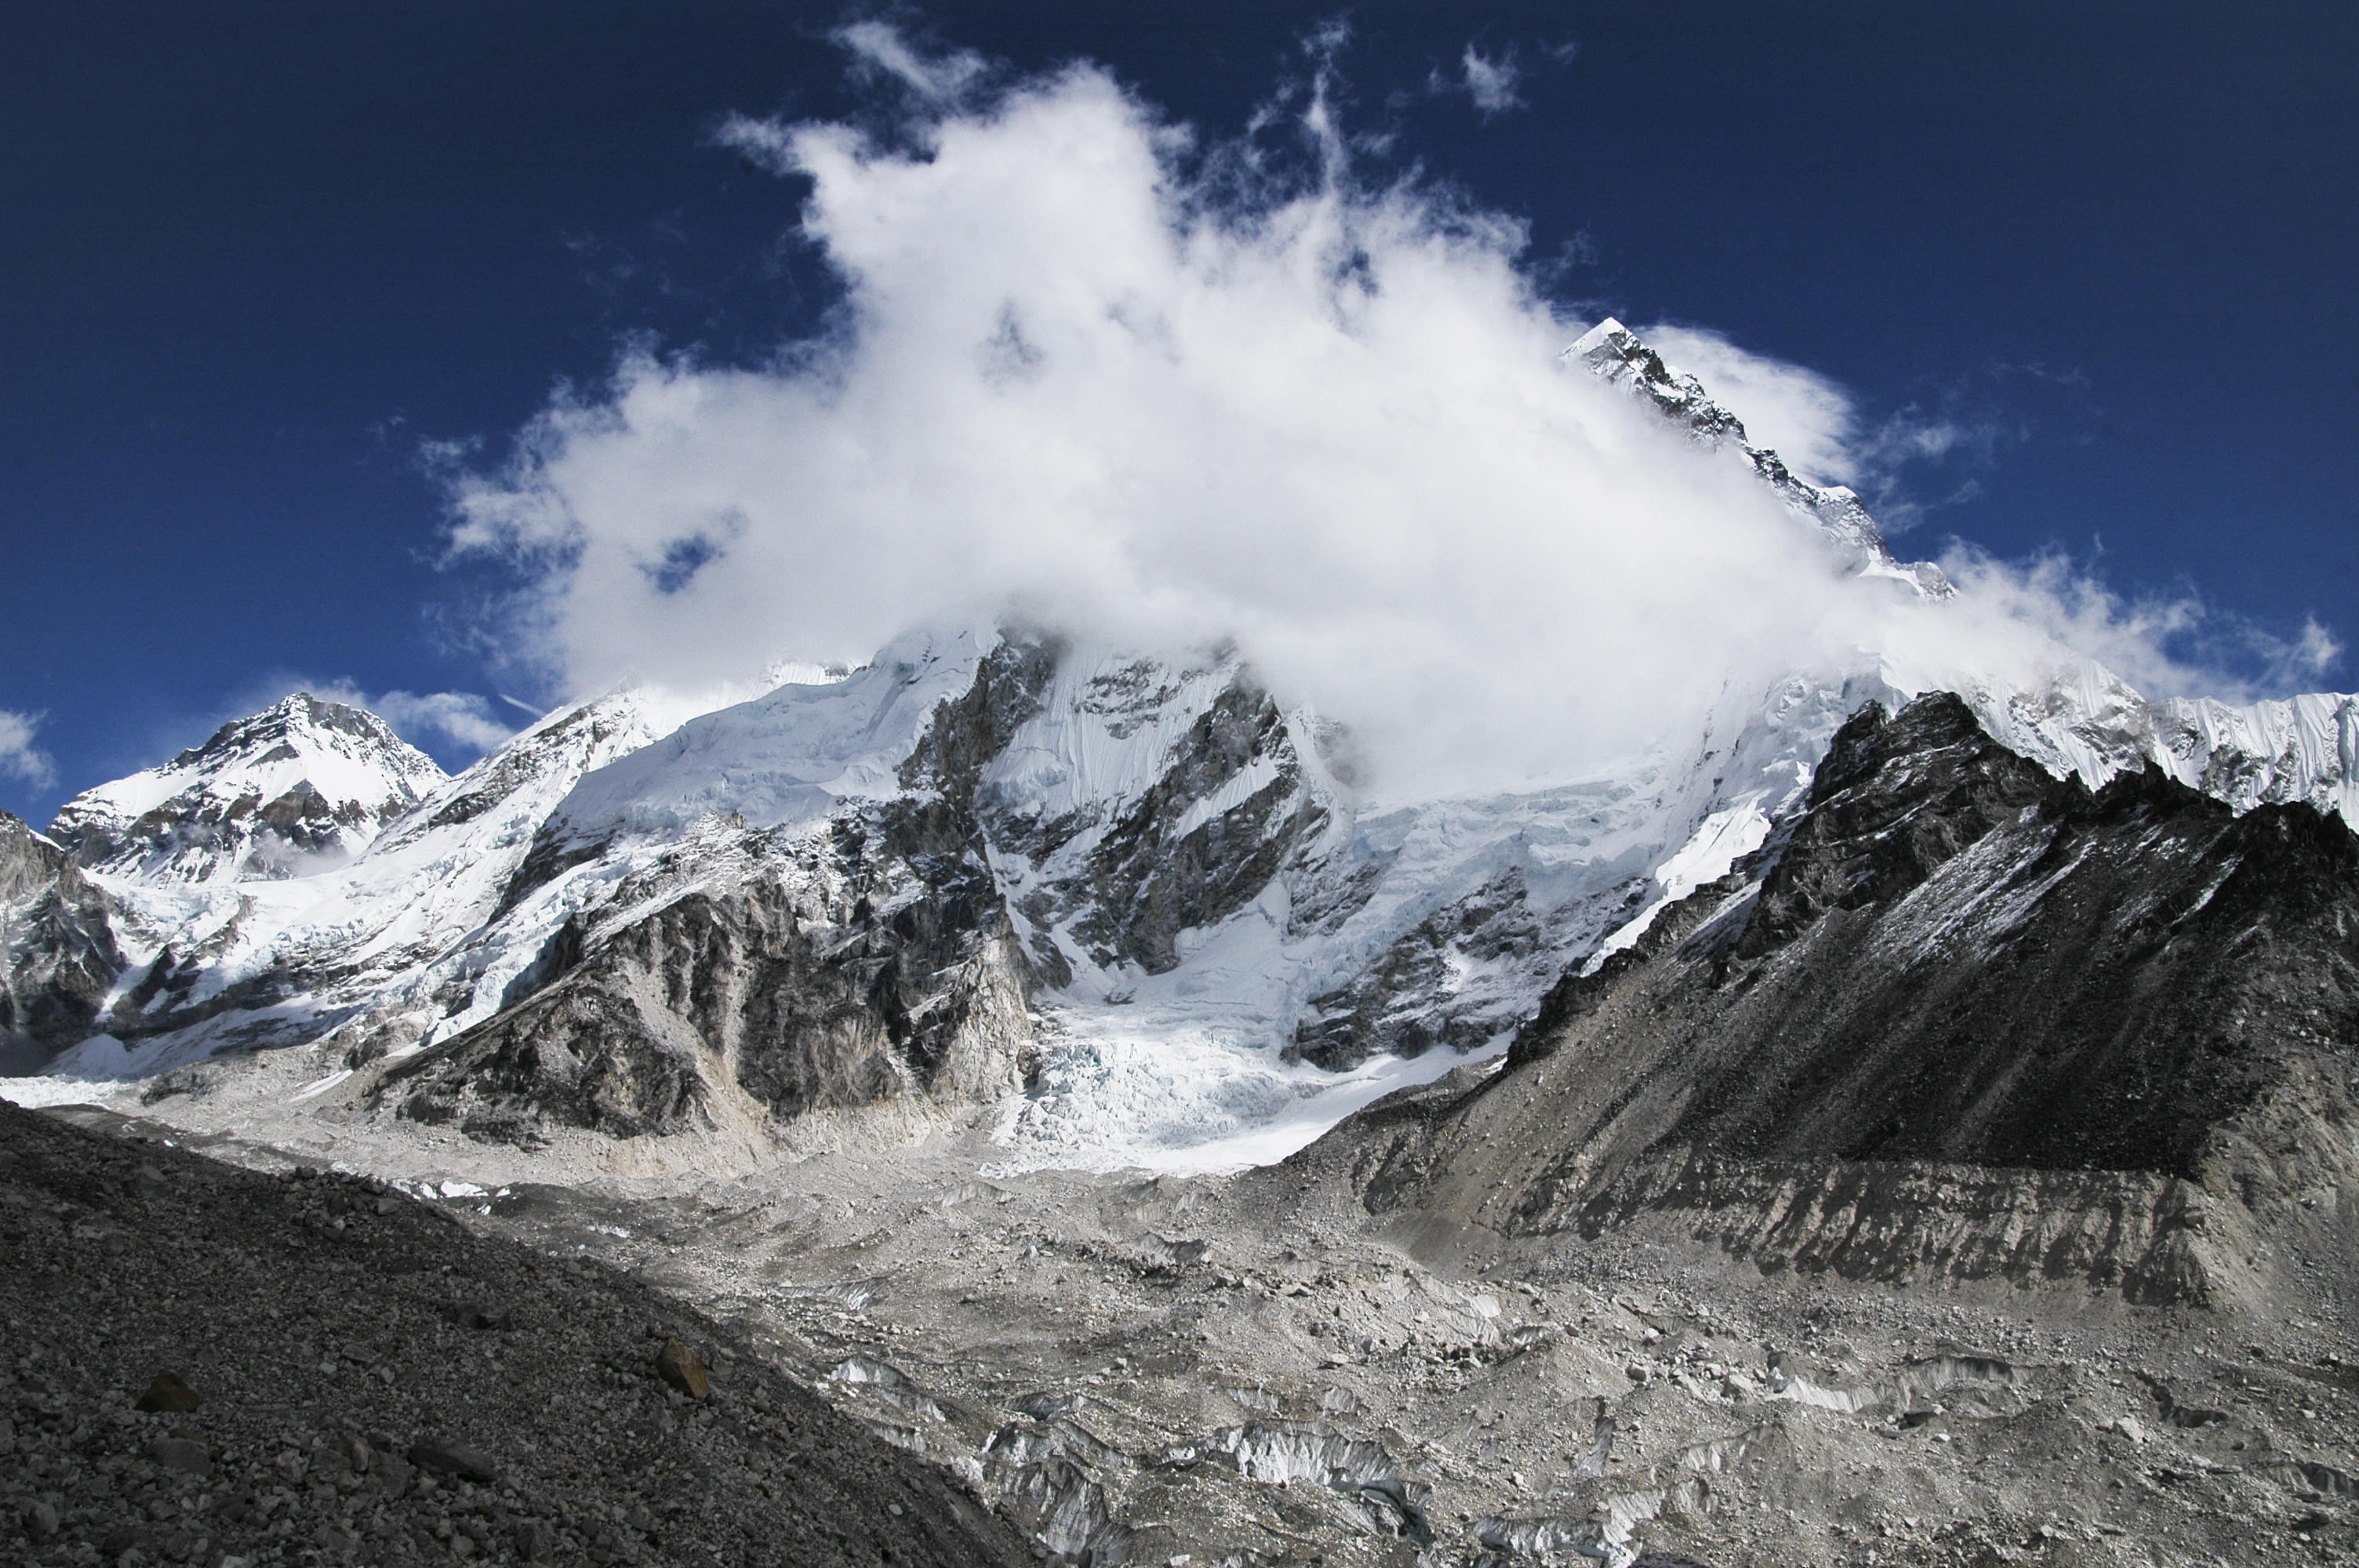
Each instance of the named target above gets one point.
<point>2116,1021</point>
<point>1098,857</point>
<point>302,785</point>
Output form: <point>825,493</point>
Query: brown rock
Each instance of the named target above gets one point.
<point>168,1395</point>
<point>681,1367</point>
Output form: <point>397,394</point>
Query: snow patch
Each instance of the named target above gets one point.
<point>1725,837</point>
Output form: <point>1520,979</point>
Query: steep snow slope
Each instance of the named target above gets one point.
<point>783,758</point>
<point>273,961</point>
<point>299,787</point>
<point>2304,748</point>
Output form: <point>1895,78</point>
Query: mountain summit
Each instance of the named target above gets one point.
<point>302,785</point>
<point>1620,357</point>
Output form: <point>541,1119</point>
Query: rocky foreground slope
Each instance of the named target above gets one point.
<point>359,1379</point>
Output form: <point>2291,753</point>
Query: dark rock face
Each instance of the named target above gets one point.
<point>966,734</point>
<point>874,959</point>
<point>1154,870</point>
<point>1893,801</point>
<point>1400,1003</point>
<point>58,954</point>
<point>840,977</point>
<point>1954,963</point>
<point>2102,981</point>
<point>1146,883</point>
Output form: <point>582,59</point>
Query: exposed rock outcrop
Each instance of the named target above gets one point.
<point>870,961</point>
<point>324,1387</point>
<point>58,954</point>
<point>1963,1019</point>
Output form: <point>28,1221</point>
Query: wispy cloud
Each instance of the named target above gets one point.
<point>2166,644</point>
<point>460,719</point>
<point>20,758</point>
<point>879,49</point>
<point>1494,81</point>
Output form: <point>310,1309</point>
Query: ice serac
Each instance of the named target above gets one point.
<point>303,785</point>
<point>1963,1018</point>
<point>1617,354</point>
<point>2304,748</point>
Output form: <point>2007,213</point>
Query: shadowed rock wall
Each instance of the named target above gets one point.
<point>1963,1018</point>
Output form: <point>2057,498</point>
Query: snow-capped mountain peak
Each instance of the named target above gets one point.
<point>304,784</point>
<point>1620,357</point>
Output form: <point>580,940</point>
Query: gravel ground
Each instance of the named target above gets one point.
<point>1219,1372</point>
<point>374,1384</point>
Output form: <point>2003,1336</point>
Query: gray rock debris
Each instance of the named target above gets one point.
<point>542,1441</point>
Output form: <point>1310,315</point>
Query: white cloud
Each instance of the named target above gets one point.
<point>459,717</point>
<point>1494,81</point>
<point>20,758</point>
<point>1491,82</point>
<point>1092,371</point>
<point>876,46</point>
<point>2305,658</point>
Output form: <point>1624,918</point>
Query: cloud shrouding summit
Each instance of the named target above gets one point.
<point>1090,372</point>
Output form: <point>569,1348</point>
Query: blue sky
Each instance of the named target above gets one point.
<point>261,260</point>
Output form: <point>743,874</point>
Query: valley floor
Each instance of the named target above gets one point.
<point>1248,1369</point>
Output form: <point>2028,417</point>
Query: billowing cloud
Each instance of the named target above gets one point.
<point>20,758</point>
<point>1093,370</point>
